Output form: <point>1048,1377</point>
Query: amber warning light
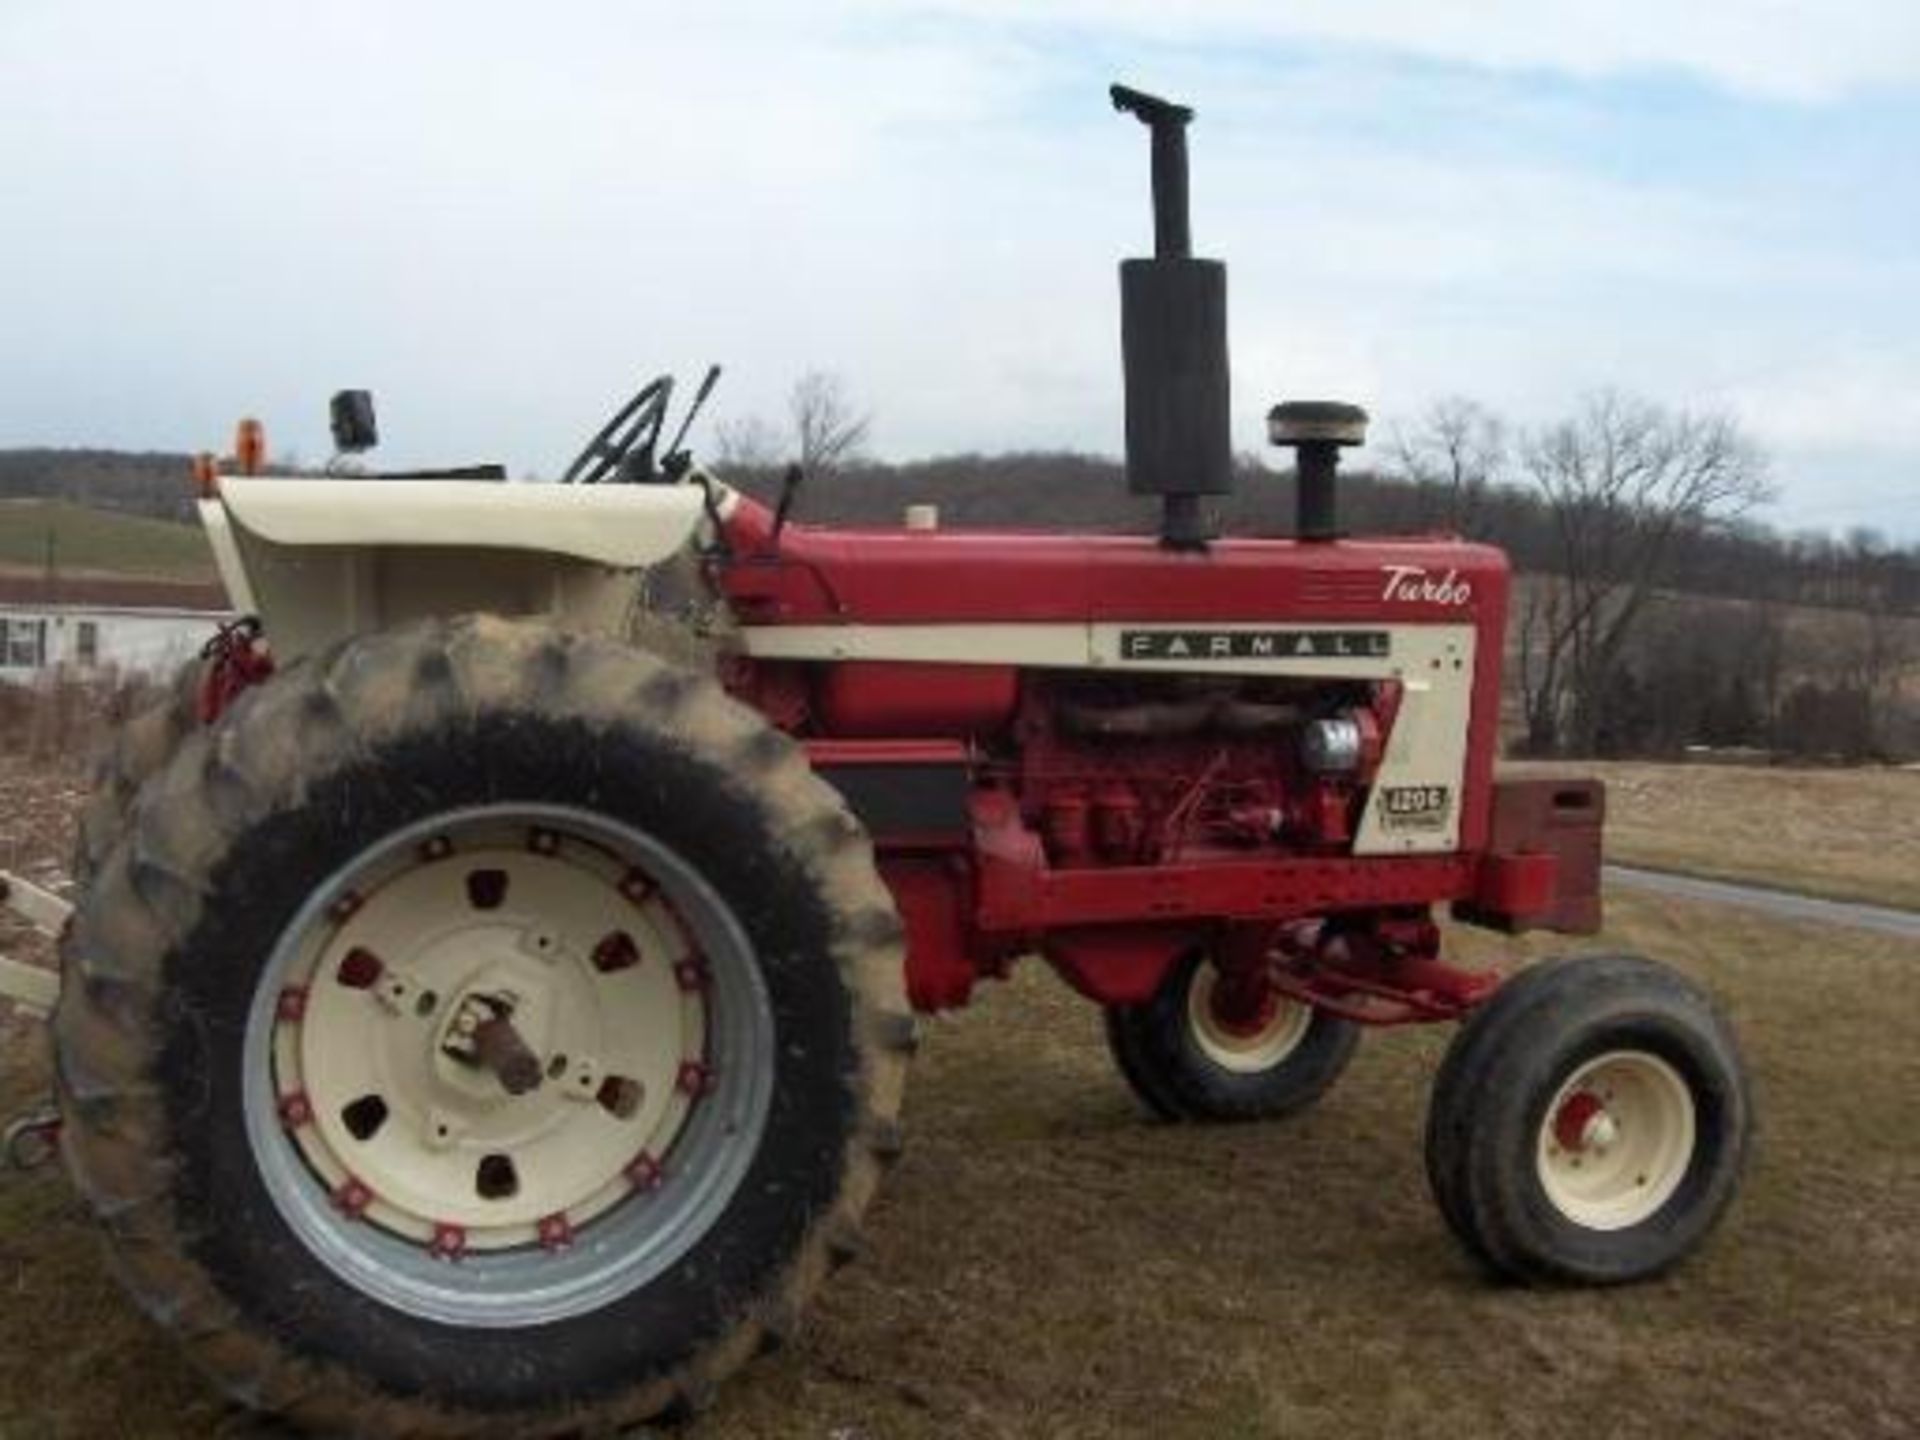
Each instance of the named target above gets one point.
<point>249,446</point>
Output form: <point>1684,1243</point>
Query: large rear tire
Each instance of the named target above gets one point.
<point>1590,1123</point>
<point>1190,1055</point>
<point>349,1209</point>
<point>135,754</point>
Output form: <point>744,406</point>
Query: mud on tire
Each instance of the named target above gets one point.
<point>136,752</point>
<point>168,958</point>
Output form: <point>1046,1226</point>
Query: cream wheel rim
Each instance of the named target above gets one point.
<point>1245,1048</point>
<point>468,1189</point>
<point>1617,1140</point>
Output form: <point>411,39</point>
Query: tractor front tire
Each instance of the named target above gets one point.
<point>1190,1058</point>
<point>482,1030</point>
<point>1589,1123</point>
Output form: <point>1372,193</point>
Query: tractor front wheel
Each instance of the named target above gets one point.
<point>1589,1123</point>
<point>482,1030</point>
<point>1204,1048</point>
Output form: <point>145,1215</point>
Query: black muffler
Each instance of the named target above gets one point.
<point>1173,343</point>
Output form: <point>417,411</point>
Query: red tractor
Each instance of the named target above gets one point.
<point>486,1009</point>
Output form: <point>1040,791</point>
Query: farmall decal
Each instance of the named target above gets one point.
<point>1254,644</point>
<point>1418,584</point>
<point>1415,807</point>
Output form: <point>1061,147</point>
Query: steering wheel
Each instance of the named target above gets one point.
<point>623,450</point>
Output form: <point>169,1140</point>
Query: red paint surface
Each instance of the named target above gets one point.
<point>235,659</point>
<point>866,699</point>
<point>896,577</point>
<point>1113,851</point>
<point>1570,1121</point>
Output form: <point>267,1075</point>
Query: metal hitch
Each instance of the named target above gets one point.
<point>31,987</point>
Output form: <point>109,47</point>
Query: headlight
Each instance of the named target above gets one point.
<point>1331,747</point>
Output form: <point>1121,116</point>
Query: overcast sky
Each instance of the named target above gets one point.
<point>502,216</point>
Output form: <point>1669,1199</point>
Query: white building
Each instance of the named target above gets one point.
<point>90,625</point>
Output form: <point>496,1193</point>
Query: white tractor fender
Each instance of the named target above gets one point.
<point>619,525</point>
<point>320,559</point>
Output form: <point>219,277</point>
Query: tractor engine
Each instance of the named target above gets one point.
<point>1126,772</point>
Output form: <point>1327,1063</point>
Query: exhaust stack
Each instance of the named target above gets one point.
<point>1173,342</point>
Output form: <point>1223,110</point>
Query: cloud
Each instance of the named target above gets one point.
<point>1784,49</point>
<point>500,216</point>
<point>1858,398</point>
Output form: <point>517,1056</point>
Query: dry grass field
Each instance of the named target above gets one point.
<point>1047,1262</point>
<point>1848,834</point>
<point>82,539</point>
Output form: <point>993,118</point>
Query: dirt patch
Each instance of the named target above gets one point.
<point>38,803</point>
<point>1047,1261</point>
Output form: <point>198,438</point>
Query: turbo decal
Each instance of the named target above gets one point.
<point>1418,584</point>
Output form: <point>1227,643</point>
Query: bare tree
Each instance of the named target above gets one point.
<point>1540,661</point>
<point>1877,654</point>
<point>826,431</point>
<point>1460,447</point>
<point>1626,482</point>
<point>747,442</point>
<point>1765,649</point>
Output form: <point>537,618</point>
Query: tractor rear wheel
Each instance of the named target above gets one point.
<point>136,752</point>
<point>482,1030</point>
<point>1589,1123</point>
<point>1196,1051</point>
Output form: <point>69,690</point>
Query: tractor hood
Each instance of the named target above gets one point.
<point>619,525</point>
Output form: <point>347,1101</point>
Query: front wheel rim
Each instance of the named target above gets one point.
<point>401,1158</point>
<point>1243,1044</point>
<point>1617,1140</point>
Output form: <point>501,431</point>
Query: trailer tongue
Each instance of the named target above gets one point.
<point>32,988</point>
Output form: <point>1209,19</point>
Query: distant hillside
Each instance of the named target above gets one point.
<point>142,482</point>
<point>1062,491</point>
<point>1066,491</point>
<point>38,535</point>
